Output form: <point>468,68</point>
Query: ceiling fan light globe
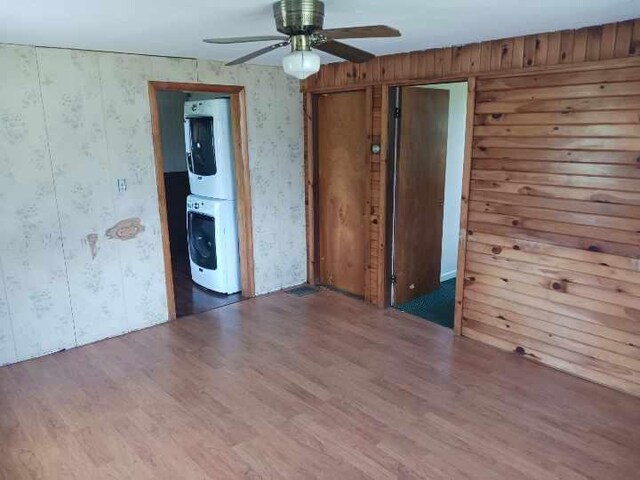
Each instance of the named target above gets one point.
<point>301,64</point>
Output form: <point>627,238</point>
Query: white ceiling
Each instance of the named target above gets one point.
<point>176,28</point>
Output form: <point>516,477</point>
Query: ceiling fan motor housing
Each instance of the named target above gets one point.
<point>298,17</point>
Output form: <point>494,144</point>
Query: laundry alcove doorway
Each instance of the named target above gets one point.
<point>207,238</point>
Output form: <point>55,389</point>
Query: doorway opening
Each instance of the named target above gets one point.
<point>203,190</point>
<point>427,133</point>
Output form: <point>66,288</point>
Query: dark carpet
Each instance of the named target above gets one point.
<point>436,306</point>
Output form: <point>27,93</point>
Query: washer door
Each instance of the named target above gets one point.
<point>203,152</point>
<point>202,240</point>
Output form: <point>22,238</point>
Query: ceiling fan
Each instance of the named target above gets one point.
<point>301,21</point>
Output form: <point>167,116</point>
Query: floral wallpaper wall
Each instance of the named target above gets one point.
<point>35,310</point>
<point>71,124</point>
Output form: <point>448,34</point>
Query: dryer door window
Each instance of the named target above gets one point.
<point>202,240</point>
<point>202,159</point>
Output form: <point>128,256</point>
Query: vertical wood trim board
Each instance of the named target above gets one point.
<point>379,219</point>
<point>310,186</point>
<point>543,51</point>
<point>368,240</point>
<point>552,267</point>
<point>464,205</point>
<point>162,200</point>
<point>375,263</point>
<point>243,188</point>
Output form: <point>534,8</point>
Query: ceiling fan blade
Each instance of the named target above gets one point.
<point>262,38</point>
<point>257,53</point>
<point>345,51</point>
<point>369,31</point>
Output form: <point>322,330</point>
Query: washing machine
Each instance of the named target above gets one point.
<point>209,148</point>
<point>212,237</point>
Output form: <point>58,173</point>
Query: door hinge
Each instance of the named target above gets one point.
<point>394,279</point>
<point>396,112</point>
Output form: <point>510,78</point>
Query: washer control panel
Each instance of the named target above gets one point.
<point>204,205</point>
<point>194,203</point>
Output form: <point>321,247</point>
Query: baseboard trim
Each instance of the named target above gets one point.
<point>448,276</point>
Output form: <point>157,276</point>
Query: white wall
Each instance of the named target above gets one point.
<point>72,123</point>
<point>171,110</point>
<point>453,176</point>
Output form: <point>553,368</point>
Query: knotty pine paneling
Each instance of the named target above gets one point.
<point>552,263</point>
<point>606,97</point>
<point>552,268</point>
<point>592,44</point>
<point>375,271</point>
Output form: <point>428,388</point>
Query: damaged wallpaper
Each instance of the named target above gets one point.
<point>81,259</point>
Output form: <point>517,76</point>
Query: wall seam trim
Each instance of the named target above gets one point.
<point>113,201</point>
<point>55,196</point>
<point>6,295</point>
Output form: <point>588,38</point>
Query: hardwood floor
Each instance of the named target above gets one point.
<point>321,386</point>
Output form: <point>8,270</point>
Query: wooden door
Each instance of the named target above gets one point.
<point>343,169</point>
<point>419,198</point>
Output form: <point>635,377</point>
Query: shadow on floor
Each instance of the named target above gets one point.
<point>192,298</point>
<point>437,306</point>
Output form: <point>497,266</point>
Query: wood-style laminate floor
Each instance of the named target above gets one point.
<point>322,386</point>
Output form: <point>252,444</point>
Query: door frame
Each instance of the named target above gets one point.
<point>311,168</point>
<point>386,262</point>
<point>242,178</point>
<point>395,129</point>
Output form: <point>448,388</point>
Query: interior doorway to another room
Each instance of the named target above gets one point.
<point>203,189</point>
<point>427,133</point>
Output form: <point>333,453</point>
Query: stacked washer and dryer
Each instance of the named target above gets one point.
<point>212,228</point>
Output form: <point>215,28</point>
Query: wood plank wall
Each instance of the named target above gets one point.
<point>377,239</point>
<point>552,263</point>
<point>594,47</point>
<point>604,42</point>
<point>552,259</point>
